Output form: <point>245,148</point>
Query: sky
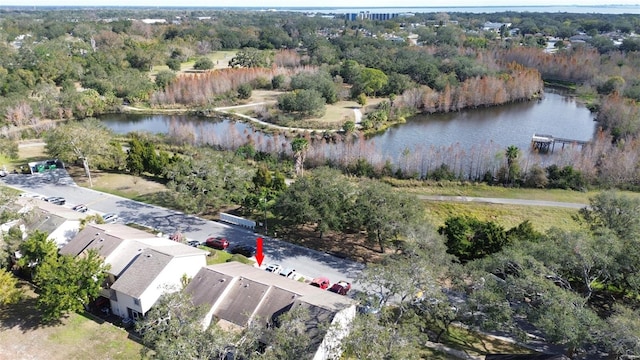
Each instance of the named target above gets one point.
<point>313,3</point>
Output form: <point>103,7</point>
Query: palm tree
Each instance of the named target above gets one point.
<point>512,153</point>
<point>299,147</point>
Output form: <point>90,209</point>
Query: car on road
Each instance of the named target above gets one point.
<point>194,243</point>
<point>288,272</point>
<point>247,251</point>
<point>321,282</point>
<point>341,287</point>
<point>274,268</point>
<point>80,208</point>
<point>219,243</point>
<point>58,200</point>
<point>110,218</point>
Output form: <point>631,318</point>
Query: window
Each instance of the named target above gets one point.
<point>136,301</point>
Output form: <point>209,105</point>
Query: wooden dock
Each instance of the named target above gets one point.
<point>543,143</point>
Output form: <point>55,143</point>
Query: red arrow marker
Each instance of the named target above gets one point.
<point>259,254</point>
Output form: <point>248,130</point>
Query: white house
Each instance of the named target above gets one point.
<point>236,294</point>
<point>142,266</point>
<point>61,223</point>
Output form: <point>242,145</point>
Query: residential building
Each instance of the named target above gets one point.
<point>142,266</point>
<point>61,223</point>
<point>236,294</point>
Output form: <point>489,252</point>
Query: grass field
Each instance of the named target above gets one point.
<point>75,337</point>
<point>542,218</point>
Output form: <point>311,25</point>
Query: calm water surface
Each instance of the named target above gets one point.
<point>558,115</point>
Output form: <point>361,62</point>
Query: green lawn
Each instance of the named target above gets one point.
<point>542,218</point>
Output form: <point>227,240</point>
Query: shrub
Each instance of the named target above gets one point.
<point>244,91</point>
<point>203,63</point>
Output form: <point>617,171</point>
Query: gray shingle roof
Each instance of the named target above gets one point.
<point>91,238</point>
<point>255,291</point>
<point>141,272</point>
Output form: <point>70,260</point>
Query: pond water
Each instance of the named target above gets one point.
<point>484,131</point>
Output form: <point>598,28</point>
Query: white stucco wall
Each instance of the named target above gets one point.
<point>169,280</point>
<point>331,346</point>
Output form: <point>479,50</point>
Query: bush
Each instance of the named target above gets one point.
<point>244,91</point>
<point>174,64</point>
<point>305,102</point>
<point>277,82</point>
<point>164,78</point>
<point>203,63</point>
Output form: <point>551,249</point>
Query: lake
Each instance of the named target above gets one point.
<point>424,140</point>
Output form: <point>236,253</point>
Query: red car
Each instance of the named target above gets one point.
<point>217,243</point>
<point>341,287</point>
<point>321,282</point>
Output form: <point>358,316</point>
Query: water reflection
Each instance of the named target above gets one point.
<point>471,142</point>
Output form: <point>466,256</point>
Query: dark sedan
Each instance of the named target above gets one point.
<point>247,251</point>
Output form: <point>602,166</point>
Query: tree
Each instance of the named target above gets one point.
<point>305,102</point>
<point>383,212</point>
<point>36,250</point>
<point>369,82</point>
<point>622,334</point>
<point>250,58</point>
<point>68,284</point>
<point>299,146</point>
<point>512,153</point>
<point>173,329</point>
<point>375,339</point>
<point>290,337</point>
<point>79,140</point>
<point>422,263</point>
<point>164,78</point>
<point>321,198</point>
<point>135,161</point>
<point>10,293</point>
<point>206,179</point>
<point>349,126</point>
<point>469,238</point>
<point>608,213</point>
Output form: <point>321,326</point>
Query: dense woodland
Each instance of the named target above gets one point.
<point>580,289</point>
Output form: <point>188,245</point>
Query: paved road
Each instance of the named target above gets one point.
<point>307,262</point>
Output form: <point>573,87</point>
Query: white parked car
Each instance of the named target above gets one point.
<point>288,272</point>
<point>110,218</point>
<point>274,268</point>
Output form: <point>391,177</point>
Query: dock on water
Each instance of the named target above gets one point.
<point>546,143</point>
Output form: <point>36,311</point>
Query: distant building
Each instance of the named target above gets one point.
<point>154,21</point>
<point>495,27</point>
<point>366,15</point>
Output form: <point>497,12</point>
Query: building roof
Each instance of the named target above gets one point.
<point>87,239</point>
<point>240,292</point>
<point>119,245</point>
<point>237,293</point>
<point>144,269</point>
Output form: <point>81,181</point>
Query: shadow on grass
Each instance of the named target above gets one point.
<point>472,342</point>
<point>24,315</point>
<point>163,199</point>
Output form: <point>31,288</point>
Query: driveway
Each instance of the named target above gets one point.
<point>305,261</point>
